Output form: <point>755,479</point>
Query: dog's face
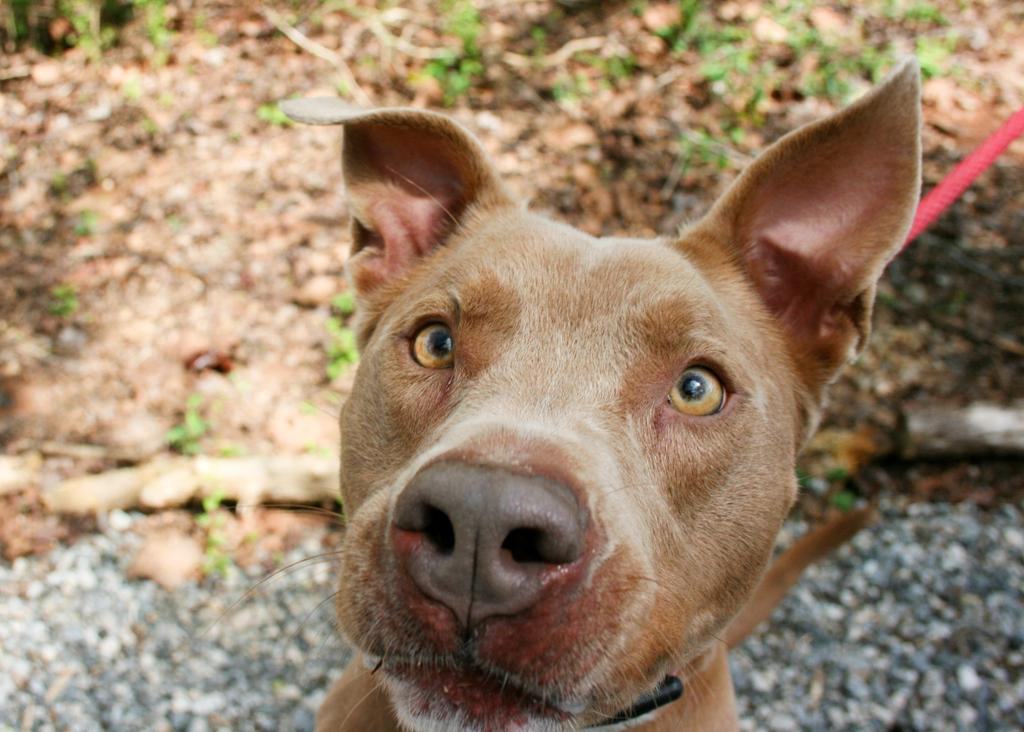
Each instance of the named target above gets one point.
<point>565,459</point>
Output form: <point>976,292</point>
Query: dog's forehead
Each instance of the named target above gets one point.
<point>561,276</point>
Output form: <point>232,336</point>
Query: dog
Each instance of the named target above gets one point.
<point>565,459</point>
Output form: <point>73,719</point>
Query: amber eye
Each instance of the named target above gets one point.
<point>434,347</point>
<point>698,393</point>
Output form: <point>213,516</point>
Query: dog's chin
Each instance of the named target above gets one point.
<point>445,700</point>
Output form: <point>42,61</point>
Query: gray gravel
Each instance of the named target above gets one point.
<point>83,648</point>
<point>916,624</point>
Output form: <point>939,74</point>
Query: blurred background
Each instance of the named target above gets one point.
<point>174,344</point>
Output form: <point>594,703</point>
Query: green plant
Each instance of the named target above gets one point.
<point>611,69</point>
<point>59,184</point>
<point>207,37</point>
<point>272,114</point>
<point>230,449</point>
<point>64,301</point>
<point>186,437</point>
<point>20,24</point>
<point>679,35</point>
<point>840,64</point>
<point>217,559</point>
<point>739,72</point>
<point>457,69</point>
<point>920,11</point>
<point>344,303</point>
<point>925,12</point>
<point>837,475</point>
<point>569,88</point>
<point>154,14</point>
<point>539,35</point>
<point>933,53</point>
<point>844,500</point>
<point>341,343</point>
<point>341,348</point>
<point>89,32</point>
<point>700,148</point>
<point>315,448</point>
<point>131,89</point>
<point>91,25</point>
<point>734,69</point>
<point>66,185</point>
<point>86,223</point>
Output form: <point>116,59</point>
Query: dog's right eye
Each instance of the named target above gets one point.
<point>433,347</point>
<point>698,393</point>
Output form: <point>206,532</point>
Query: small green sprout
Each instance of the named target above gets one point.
<point>64,302</point>
<point>185,437</point>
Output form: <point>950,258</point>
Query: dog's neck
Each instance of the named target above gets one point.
<point>669,690</point>
<point>707,704</point>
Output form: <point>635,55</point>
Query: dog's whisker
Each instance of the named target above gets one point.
<point>334,414</point>
<point>375,687</point>
<point>317,559</point>
<point>292,636</point>
<point>298,508</point>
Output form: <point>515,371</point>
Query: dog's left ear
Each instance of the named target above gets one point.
<point>815,219</point>
<point>412,177</point>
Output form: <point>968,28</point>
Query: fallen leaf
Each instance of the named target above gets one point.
<point>839,449</point>
<point>566,137</point>
<point>317,290</point>
<point>212,360</point>
<point>827,20</point>
<point>18,472</point>
<point>659,16</point>
<point>170,558</point>
<point>769,31</point>
<point>46,73</point>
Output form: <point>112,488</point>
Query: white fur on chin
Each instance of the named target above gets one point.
<point>406,697</point>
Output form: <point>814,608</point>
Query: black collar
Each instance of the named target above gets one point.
<point>670,689</point>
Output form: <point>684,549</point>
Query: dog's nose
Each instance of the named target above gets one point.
<point>483,540</point>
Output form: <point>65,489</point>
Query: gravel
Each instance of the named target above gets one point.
<point>916,624</point>
<point>84,648</point>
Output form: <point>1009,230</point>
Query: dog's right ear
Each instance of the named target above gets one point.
<point>411,176</point>
<point>814,220</point>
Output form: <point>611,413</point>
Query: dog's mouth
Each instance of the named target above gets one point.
<point>478,698</point>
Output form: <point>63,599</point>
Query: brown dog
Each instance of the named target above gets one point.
<point>565,459</point>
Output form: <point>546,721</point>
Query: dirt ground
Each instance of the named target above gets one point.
<point>164,233</point>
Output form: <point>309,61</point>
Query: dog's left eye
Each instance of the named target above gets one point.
<point>698,393</point>
<point>433,347</point>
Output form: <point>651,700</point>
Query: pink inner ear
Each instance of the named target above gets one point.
<point>409,227</point>
<point>811,230</point>
<point>800,290</point>
<point>410,185</point>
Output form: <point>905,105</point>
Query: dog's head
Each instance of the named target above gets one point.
<point>565,459</point>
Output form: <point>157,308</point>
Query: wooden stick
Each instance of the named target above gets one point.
<point>935,430</point>
<point>307,44</point>
<point>176,481</point>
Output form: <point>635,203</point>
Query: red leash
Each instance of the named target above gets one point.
<point>960,178</point>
